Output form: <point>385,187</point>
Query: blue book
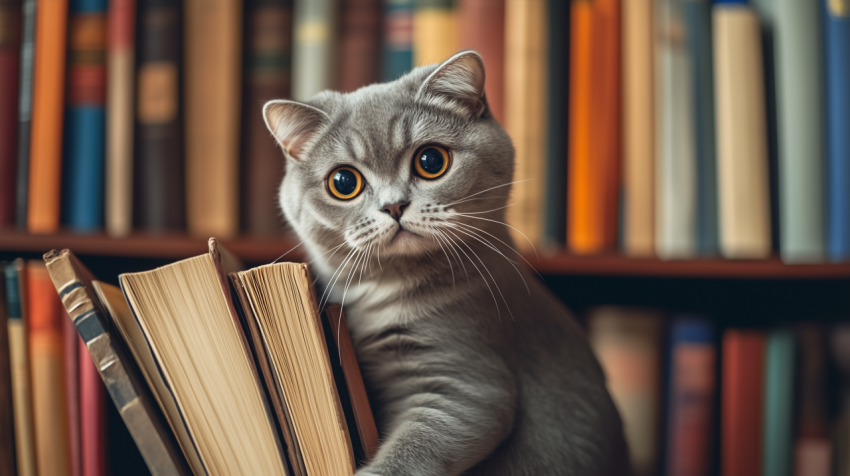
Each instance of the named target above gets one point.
<point>398,39</point>
<point>85,116</point>
<point>836,46</point>
<point>777,449</point>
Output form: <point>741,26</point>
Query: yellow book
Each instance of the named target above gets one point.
<point>435,31</point>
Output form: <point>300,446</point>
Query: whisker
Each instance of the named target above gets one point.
<point>498,312</point>
<point>461,200</point>
<point>502,242</point>
<point>509,226</point>
<point>493,210</point>
<point>487,243</point>
<point>447,259</point>
<point>281,256</point>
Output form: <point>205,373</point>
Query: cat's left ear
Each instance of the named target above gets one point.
<point>457,84</point>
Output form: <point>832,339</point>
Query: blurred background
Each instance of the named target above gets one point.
<point>685,189</point>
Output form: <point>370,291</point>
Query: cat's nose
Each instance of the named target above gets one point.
<point>395,210</point>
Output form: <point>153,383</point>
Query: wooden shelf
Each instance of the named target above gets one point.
<point>264,250</point>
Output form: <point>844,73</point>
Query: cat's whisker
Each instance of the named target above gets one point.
<point>505,224</point>
<point>495,283</point>
<point>461,200</point>
<point>281,256</point>
<point>487,243</point>
<point>350,277</point>
<point>450,244</point>
<point>467,225</point>
<point>437,238</point>
<point>490,211</point>
<point>332,282</point>
<point>483,278</point>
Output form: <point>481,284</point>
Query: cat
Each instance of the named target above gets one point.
<point>398,192</point>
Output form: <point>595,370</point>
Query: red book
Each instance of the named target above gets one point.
<point>70,363</point>
<point>741,403</point>
<point>359,44</point>
<point>483,30</point>
<point>92,414</point>
<point>10,60</point>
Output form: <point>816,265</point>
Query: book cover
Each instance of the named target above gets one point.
<point>120,95</point>
<point>638,129</point>
<point>50,418</point>
<point>744,215</point>
<point>25,113</point>
<point>435,31</point>
<point>11,17</point>
<point>85,117</point>
<point>269,44</point>
<point>92,414</point>
<point>159,168</point>
<point>482,28</point>
<point>48,101</point>
<point>555,198</point>
<point>812,438</point>
<point>359,44</point>
<point>836,61</point>
<point>7,416</point>
<point>71,395</point>
<point>691,391</point>
<point>526,96</point>
<point>398,39</point>
<point>314,48</point>
<point>777,452</point>
<point>741,405</point>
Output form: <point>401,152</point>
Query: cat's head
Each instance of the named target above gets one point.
<point>404,166</point>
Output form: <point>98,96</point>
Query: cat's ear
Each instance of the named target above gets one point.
<point>294,125</point>
<point>457,84</point>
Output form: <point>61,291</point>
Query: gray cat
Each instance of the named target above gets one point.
<point>398,192</point>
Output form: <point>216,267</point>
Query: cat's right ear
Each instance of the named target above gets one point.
<point>294,125</point>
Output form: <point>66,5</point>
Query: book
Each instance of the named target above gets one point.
<point>25,113</point>
<point>435,31</point>
<point>675,157</point>
<point>11,17</point>
<point>813,445</point>
<point>744,215</point>
<point>7,416</point>
<point>50,419</point>
<point>74,283</point>
<point>697,15</point>
<point>269,44</point>
<point>691,389</point>
<point>839,347</point>
<point>777,451</point>
<point>741,404</point>
<point>482,28</point>
<point>359,44</point>
<point>85,117</point>
<point>398,39</point>
<point>213,62</point>
<point>836,62</point>
<point>638,129</point>
<point>314,47</point>
<point>525,115</point>
<point>555,198</point>
<point>160,182</point>
<point>120,95</point>
<point>71,395</point>
<point>92,414</point>
<point>627,343</point>
<point>16,287</point>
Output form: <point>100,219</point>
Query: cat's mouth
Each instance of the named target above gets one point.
<point>402,235</point>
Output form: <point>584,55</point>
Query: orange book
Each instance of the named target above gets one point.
<point>741,403</point>
<point>48,383</point>
<point>483,30</point>
<point>47,109</point>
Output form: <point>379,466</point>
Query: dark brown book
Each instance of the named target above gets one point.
<point>359,44</point>
<point>482,28</point>
<point>10,60</point>
<point>160,150</point>
<point>268,55</point>
<point>7,438</point>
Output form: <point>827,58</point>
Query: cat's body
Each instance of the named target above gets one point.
<point>472,365</point>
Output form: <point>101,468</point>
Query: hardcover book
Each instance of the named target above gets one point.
<point>11,17</point>
<point>25,114</point>
<point>742,401</point>
<point>435,31</point>
<point>836,56</point>
<point>359,44</point>
<point>314,50</point>
<point>398,39</point>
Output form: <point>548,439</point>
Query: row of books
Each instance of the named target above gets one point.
<point>699,400</point>
<point>213,369</point>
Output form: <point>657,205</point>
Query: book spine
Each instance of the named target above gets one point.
<point>213,70</point>
<point>314,49</point>
<point>800,121</point>
<point>697,15</point>
<point>555,201</point>
<point>46,352</point>
<point>25,113</point>
<point>7,412</point>
<point>741,133</point>
<point>525,114</point>
<point>837,72</point>
<point>160,146</point>
<point>92,413</point>
<point>398,38</point>
<point>20,370</point>
<point>10,60</point>
<point>778,403</point>
<point>269,46</point>
<point>85,122</point>
<point>482,28</point>
<point>119,110</point>
<point>741,403</point>
<point>690,407</point>
<point>638,133</point>
<point>359,44</point>
<point>431,16</point>
<point>71,396</point>
<point>813,445</point>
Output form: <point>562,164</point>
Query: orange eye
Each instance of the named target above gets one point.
<point>431,161</point>
<point>345,183</point>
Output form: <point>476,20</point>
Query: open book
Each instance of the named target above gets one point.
<point>240,366</point>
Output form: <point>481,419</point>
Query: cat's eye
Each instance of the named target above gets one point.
<point>431,161</point>
<point>345,183</point>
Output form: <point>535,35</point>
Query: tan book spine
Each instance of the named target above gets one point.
<point>213,45</point>
<point>741,134</point>
<point>429,17</point>
<point>525,114</point>
<point>20,371</point>
<point>638,128</point>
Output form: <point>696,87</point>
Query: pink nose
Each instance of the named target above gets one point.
<point>395,210</point>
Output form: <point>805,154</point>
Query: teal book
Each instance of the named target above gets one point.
<point>398,38</point>
<point>777,449</point>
